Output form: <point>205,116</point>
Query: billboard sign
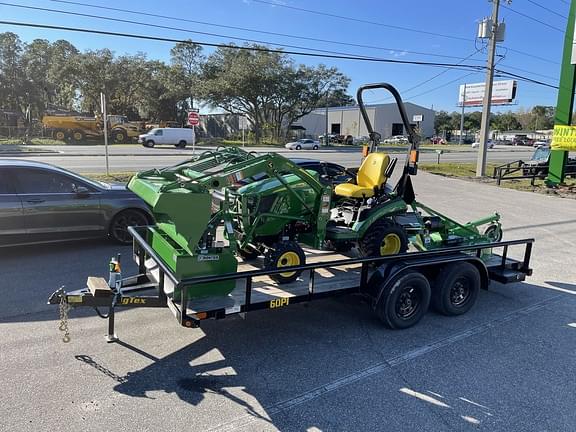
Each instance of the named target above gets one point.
<point>503,92</point>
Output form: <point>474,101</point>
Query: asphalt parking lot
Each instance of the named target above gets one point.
<point>328,366</point>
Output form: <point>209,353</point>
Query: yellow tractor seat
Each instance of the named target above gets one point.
<point>370,177</point>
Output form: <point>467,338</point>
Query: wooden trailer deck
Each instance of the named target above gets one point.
<point>264,289</point>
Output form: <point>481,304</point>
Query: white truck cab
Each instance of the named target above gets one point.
<point>179,137</point>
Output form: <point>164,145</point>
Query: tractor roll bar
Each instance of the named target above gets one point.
<point>375,136</point>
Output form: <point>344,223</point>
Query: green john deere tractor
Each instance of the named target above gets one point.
<point>231,202</point>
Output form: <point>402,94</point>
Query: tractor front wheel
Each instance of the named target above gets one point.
<point>284,254</point>
<point>383,238</point>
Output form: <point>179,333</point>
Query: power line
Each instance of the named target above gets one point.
<point>363,21</point>
<point>125,21</point>
<point>441,86</point>
<point>168,17</point>
<point>246,48</point>
<point>431,78</point>
<point>547,9</point>
<point>476,68</point>
<point>531,18</point>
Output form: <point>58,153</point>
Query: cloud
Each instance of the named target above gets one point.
<point>397,54</point>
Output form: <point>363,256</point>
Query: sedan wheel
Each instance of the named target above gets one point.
<point>123,220</point>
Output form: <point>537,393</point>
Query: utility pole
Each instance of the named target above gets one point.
<point>105,118</point>
<point>462,116</point>
<point>485,123</point>
<point>326,139</point>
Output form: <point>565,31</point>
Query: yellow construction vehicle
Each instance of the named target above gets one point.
<point>78,128</point>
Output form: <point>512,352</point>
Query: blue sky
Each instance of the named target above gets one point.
<point>456,18</point>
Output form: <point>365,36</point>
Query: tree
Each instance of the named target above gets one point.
<point>336,98</point>
<point>187,60</point>
<point>12,89</point>
<point>505,122</point>
<point>266,86</point>
<point>442,122</point>
<point>97,74</point>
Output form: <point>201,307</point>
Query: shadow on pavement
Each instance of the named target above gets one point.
<point>31,273</point>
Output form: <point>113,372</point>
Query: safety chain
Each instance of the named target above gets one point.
<point>64,308</point>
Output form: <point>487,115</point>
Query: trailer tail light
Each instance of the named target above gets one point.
<point>414,156</point>
<point>201,315</point>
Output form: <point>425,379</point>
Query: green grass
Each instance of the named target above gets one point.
<point>468,171</point>
<point>454,169</point>
<point>116,177</point>
<point>33,141</point>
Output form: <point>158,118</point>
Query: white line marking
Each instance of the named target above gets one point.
<point>383,366</point>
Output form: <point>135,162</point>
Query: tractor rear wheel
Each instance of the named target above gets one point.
<point>284,254</point>
<point>383,238</point>
<point>119,136</point>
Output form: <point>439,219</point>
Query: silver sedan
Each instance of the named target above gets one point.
<point>43,203</point>
<point>303,144</point>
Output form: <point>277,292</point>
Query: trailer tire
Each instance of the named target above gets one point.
<point>404,302</point>
<point>383,238</point>
<point>284,254</point>
<point>456,288</point>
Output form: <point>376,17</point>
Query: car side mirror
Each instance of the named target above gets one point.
<point>81,191</point>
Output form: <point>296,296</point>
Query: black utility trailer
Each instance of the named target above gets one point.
<point>399,288</point>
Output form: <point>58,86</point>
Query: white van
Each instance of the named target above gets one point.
<point>180,137</point>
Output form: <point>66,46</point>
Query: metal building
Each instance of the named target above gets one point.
<point>385,119</point>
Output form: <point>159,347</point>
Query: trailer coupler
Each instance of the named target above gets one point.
<point>103,297</point>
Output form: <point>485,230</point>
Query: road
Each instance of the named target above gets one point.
<point>91,159</point>
<point>507,365</point>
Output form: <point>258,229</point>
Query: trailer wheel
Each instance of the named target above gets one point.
<point>59,134</point>
<point>284,254</point>
<point>383,238</point>
<point>405,301</point>
<point>456,288</point>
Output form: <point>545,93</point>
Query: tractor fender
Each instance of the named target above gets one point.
<point>387,273</point>
<point>388,209</point>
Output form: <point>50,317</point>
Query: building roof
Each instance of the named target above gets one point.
<point>355,107</point>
